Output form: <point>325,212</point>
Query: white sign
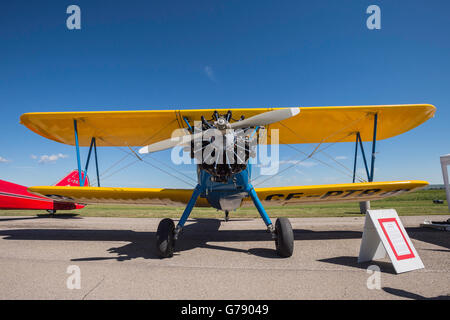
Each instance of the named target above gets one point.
<point>384,233</point>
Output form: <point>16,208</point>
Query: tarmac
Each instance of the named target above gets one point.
<point>115,258</point>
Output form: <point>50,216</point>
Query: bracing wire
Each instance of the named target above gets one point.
<point>315,151</point>
<point>132,153</point>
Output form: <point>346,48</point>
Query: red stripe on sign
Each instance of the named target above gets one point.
<point>404,256</point>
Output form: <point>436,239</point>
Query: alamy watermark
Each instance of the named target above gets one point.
<point>73,21</point>
<point>216,147</point>
<point>74,280</point>
<point>374,280</point>
<point>374,20</point>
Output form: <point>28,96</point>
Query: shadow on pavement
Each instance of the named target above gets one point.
<point>433,236</point>
<point>44,216</point>
<point>385,267</point>
<point>200,234</point>
<point>410,295</point>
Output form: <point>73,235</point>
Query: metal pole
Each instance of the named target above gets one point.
<point>356,156</point>
<point>191,130</point>
<point>258,205</point>
<point>89,156</point>
<point>96,162</point>
<point>78,153</point>
<point>445,161</point>
<point>372,166</point>
<point>364,155</point>
<point>187,211</point>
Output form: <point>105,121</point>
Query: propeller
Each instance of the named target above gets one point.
<point>261,119</point>
<point>265,118</point>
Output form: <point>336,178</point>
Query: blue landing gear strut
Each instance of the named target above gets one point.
<point>167,233</point>
<point>282,233</point>
<point>261,210</point>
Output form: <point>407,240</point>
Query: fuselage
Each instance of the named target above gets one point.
<point>227,195</point>
<point>15,196</point>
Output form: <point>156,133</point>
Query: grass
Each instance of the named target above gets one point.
<point>415,203</point>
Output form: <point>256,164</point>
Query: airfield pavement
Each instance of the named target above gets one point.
<point>214,260</point>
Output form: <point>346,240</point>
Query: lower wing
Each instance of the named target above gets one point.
<point>94,195</point>
<point>350,192</point>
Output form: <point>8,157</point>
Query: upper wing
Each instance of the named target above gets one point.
<point>350,192</point>
<point>92,195</point>
<point>311,125</point>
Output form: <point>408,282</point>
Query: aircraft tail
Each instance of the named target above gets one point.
<point>73,180</point>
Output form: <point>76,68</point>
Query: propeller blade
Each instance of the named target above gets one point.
<point>176,141</point>
<point>169,143</point>
<point>266,118</point>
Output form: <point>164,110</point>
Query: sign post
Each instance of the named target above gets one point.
<point>384,234</point>
<point>445,161</point>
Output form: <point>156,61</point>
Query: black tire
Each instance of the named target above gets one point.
<point>165,241</point>
<point>51,212</point>
<point>284,241</point>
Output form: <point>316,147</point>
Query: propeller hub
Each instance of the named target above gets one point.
<point>221,123</point>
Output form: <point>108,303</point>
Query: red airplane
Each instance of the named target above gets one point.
<point>16,197</point>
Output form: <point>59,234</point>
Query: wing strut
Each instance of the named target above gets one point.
<point>372,162</point>
<point>75,129</point>
<point>92,145</point>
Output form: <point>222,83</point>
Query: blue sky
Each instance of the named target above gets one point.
<point>136,55</point>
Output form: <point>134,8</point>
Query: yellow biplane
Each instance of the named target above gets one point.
<point>222,141</point>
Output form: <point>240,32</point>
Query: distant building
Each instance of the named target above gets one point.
<point>434,187</point>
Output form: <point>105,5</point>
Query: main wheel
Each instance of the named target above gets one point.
<point>165,241</point>
<point>285,237</point>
